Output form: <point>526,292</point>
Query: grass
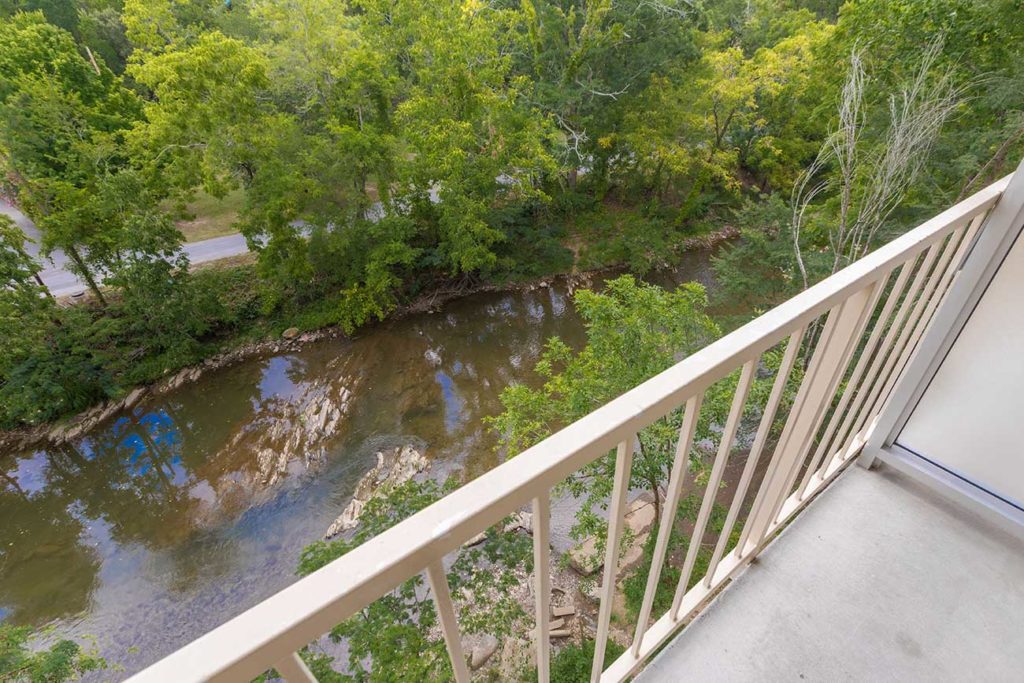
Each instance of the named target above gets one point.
<point>213,217</point>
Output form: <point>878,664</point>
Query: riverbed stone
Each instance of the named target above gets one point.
<point>290,333</point>
<point>482,651</point>
<point>584,558</point>
<point>394,467</point>
<point>640,519</point>
<point>563,611</point>
<point>475,540</point>
<point>134,397</point>
<point>520,521</point>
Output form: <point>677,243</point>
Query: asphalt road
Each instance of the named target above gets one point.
<point>63,283</point>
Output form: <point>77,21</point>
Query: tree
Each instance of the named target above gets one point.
<point>982,47</point>
<point>208,124</point>
<point>696,129</point>
<point>27,312</point>
<point>870,183</point>
<point>634,331</point>
<point>588,61</point>
<point>62,122</point>
<point>475,142</point>
<point>45,367</point>
<point>344,87</point>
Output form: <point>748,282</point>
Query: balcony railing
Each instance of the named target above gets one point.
<point>853,335</point>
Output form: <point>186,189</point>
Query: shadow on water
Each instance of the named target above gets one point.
<point>172,518</point>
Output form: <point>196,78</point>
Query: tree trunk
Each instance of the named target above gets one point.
<point>39,281</point>
<point>77,258</point>
<point>656,490</point>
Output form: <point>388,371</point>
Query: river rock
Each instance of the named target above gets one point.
<point>482,651</point>
<point>290,333</point>
<point>584,557</point>
<point>520,520</point>
<point>640,519</point>
<point>393,467</point>
<point>563,611</point>
<point>134,397</point>
<point>475,540</point>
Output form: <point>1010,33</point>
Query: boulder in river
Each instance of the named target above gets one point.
<point>393,467</point>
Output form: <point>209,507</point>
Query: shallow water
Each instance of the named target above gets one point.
<point>172,518</point>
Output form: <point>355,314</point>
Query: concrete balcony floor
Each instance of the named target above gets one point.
<point>879,579</point>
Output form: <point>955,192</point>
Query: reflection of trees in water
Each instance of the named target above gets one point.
<point>46,570</point>
<point>131,476</point>
<point>463,360</point>
<point>168,480</point>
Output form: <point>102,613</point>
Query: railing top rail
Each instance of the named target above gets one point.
<point>267,633</point>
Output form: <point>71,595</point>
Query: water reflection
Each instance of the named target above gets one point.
<point>47,568</point>
<point>172,518</point>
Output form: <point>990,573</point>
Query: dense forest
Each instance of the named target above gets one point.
<point>385,150</point>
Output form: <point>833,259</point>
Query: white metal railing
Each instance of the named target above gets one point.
<point>854,332</point>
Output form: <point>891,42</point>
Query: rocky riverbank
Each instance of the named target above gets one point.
<point>69,429</point>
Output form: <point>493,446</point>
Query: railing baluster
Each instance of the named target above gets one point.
<point>924,285</point>
<point>616,519</point>
<point>739,399</point>
<point>446,616</point>
<point>853,386</point>
<point>760,439</point>
<point>680,467</point>
<point>849,331</point>
<point>541,571</point>
<point>948,269</point>
<point>885,349</point>
<point>294,670</point>
<point>843,327</point>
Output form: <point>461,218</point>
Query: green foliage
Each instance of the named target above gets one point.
<point>759,270</point>
<point>634,331</point>
<point>637,239</point>
<point>385,148</point>
<point>572,663</point>
<point>394,639</point>
<point>23,662</point>
<point>635,584</point>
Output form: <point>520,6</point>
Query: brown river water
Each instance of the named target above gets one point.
<point>173,517</point>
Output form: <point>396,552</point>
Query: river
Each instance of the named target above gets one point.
<point>171,518</point>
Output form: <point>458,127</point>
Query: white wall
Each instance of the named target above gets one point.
<point>971,417</point>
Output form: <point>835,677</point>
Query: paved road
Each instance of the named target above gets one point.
<point>63,283</point>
